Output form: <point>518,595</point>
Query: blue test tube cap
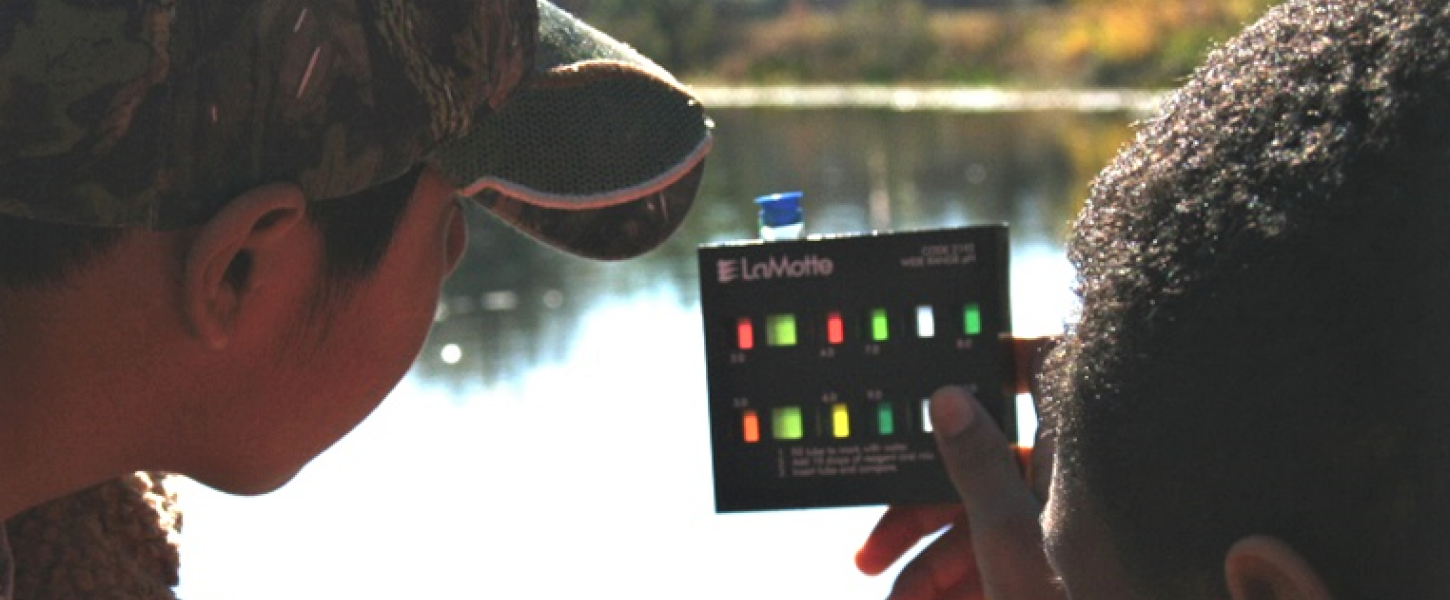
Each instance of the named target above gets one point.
<point>778,210</point>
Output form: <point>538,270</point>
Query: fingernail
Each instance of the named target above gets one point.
<point>951,411</point>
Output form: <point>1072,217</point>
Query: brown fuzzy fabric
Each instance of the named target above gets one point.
<point>114,541</point>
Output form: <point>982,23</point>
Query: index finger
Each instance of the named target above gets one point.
<point>900,528</point>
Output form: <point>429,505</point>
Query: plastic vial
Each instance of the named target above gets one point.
<point>780,216</point>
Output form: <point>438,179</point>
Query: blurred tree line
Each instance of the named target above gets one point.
<point>1039,43</point>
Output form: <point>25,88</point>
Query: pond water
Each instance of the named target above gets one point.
<point>551,440</point>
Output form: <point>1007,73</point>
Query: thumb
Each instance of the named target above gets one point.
<point>982,464</point>
<point>1001,509</point>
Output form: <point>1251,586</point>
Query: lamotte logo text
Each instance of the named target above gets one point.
<point>776,267</point>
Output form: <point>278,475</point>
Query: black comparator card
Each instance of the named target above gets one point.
<point>821,355</point>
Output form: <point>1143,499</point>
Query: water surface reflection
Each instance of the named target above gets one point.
<point>514,305</point>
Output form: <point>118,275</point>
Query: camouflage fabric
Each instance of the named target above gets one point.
<point>154,113</point>
<point>151,113</point>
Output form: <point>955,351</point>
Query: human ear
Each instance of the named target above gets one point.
<point>232,255</point>
<point>1262,567</point>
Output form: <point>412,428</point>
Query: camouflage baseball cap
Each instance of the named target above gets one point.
<point>155,113</point>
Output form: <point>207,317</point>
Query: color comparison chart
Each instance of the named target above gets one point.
<point>821,355</point>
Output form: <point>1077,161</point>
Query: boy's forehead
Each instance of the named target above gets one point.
<point>152,113</point>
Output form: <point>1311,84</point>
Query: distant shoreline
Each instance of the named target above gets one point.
<point>909,98</point>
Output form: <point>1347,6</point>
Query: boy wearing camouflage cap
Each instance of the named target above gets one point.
<point>223,225</point>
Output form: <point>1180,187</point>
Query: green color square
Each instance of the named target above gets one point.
<point>972,319</point>
<point>780,330</point>
<point>785,423</point>
<point>885,419</point>
<point>880,327</point>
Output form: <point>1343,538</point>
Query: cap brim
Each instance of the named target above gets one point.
<point>598,152</point>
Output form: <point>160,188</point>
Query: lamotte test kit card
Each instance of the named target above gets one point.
<point>821,355</point>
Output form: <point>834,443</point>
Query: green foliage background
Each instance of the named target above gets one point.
<point>1024,43</point>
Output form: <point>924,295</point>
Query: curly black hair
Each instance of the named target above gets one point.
<point>1264,276</point>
